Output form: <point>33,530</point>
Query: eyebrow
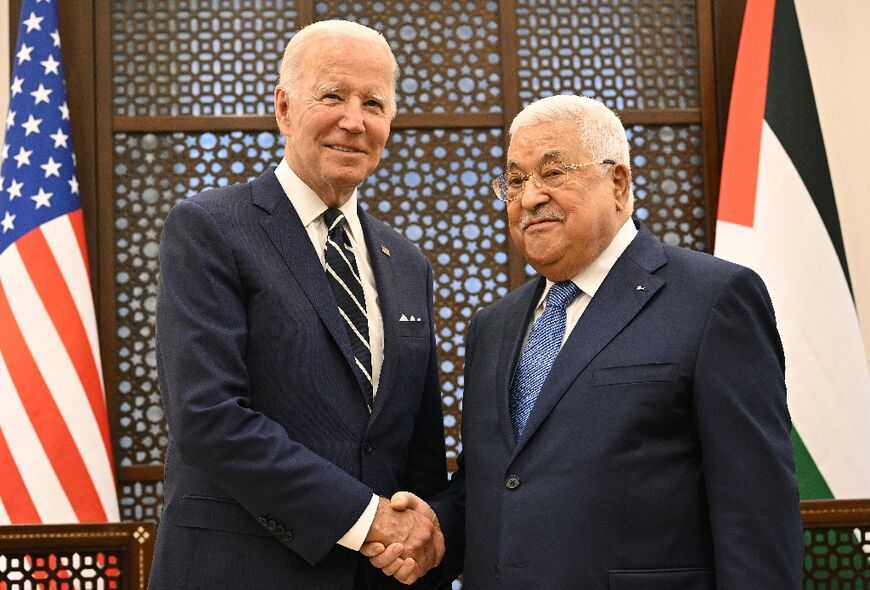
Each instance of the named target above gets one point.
<point>545,157</point>
<point>336,89</point>
<point>326,88</point>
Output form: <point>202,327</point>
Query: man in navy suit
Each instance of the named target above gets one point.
<point>624,416</point>
<point>297,393</point>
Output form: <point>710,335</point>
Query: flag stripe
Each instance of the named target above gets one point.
<point>811,482</point>
<point>43,487</point>
<point>49,282</point>
<point>63,428</point>
<point>13,492</point>
<point>743,136</point>
<point>77,221</point>
<point>791,114</point>
<point>58,373</point>
<point>62,235</point>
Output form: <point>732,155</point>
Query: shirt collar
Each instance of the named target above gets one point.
<point>308,205</point>
<point>590,278</point>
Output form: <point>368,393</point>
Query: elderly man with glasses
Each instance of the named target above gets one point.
<point>624,417</point>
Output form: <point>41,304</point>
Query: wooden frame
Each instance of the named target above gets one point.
<point>835,513</point>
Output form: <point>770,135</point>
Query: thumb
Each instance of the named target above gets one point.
<point>404,501</point>
<point>408,501</point>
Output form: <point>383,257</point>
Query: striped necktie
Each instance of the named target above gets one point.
<point>545,340</point>
<point>344,278</point>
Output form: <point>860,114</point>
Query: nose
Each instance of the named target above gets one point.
<point>533,194</point>
<point>352,117</point>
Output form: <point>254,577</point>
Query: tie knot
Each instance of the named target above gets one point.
<point>332,217</point>
<point>562,294</point>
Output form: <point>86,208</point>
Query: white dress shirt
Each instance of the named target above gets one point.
<point>588,280</point>
<point>310,209</point>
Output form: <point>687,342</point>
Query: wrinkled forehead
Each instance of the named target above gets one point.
<point>344,63</point>
<point>528,161</point>
<point>533,146</point>
<point>324,53</point>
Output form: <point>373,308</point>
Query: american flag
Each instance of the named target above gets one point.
<point>55,451</point>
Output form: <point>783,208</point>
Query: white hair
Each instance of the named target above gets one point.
<point>291,64</point>
<point>599,130</point>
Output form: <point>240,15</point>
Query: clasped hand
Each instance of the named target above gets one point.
<point>405,539</point>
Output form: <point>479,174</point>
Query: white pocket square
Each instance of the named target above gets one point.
<point>405,318</point>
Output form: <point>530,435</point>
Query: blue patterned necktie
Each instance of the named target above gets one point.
<point>542,346</point>
<point>344,278</point>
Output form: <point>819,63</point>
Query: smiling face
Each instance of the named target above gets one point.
<point>337,120</point>
<point>561,231</point>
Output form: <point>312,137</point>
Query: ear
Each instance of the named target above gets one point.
<point>621,185</point>
<point>282,108</point>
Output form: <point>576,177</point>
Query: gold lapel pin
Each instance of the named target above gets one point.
<point>385,250</point>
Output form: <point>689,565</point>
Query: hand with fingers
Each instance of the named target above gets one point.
<point>409,554</point>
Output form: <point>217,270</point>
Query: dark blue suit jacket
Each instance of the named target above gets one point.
<point>658,455</point>
<point>273,453</point>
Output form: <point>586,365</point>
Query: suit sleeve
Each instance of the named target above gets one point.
<point>745,432</point>
<point>201,343</point>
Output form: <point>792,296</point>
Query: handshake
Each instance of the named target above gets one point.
<point>405,539</point>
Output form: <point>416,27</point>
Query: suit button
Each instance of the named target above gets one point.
<point>367,448</point>
<point>512,482</point>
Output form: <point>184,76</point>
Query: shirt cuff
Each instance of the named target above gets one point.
<point>354,538</point>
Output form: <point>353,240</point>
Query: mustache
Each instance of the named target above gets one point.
<point>540,213</point>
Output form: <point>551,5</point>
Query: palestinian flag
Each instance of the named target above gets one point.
<point>783,213</point>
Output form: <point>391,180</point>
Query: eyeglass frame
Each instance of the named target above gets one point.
<point>536,178</point>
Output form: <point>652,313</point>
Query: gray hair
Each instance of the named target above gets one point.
<point>599,130</point>
<point>291,64</point>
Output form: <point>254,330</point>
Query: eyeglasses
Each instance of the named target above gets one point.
<point>550,175</point>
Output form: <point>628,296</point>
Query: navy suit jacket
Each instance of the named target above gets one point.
<point>658,454</point>
<point>273,453</point>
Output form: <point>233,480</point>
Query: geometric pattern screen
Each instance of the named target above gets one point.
<point>834,560</point>
<point>630,55</point>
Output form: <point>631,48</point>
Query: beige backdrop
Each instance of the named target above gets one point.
<point>837,47</point>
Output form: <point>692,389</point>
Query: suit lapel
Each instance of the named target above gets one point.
<point>289,237</point>
<point>614,305</point>
<point>385,281</point>
<point>514,329</point>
